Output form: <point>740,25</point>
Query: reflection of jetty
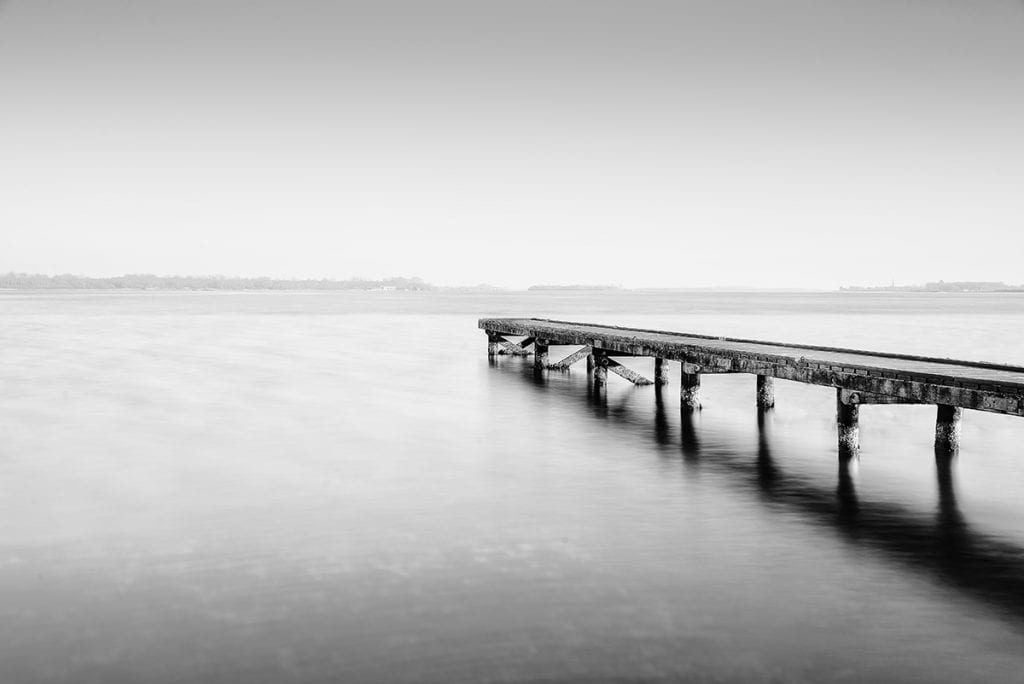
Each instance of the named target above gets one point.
<point>939,542</point>
<point>860,377</point>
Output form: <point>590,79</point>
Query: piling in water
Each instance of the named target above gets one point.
<point>660,372</point>
<point>689,391</point>
<point>540,354</point>
<point>947,429</point>
<point>765,392</point>
<point>848,424</point>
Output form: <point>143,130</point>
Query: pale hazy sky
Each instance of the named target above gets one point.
<point>807,143</point>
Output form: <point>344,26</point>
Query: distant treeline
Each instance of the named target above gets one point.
<point>942,286</point>
<point>146,281</point>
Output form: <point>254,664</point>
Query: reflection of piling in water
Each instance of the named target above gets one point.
<point>846,491</point>
<point>662,431</point>
<point>688,434</point>
<point>941,544</point>
<point>944,479</point>
<point>597,397</point>
<point>766,471</point>
<point>859,377</point>
<point>948,516</point>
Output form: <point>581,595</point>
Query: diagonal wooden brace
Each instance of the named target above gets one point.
<point>514,348</point>
<point>631,375</point>
<point>571,359</point>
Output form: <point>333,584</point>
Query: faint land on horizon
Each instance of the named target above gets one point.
<point>940,286</point>
<point>25,281</point>
<point>146,281</point>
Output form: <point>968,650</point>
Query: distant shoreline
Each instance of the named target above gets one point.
<point>25,282</point>
<point>940,286</point>
<point>454,290</point>
<point>148,281</point>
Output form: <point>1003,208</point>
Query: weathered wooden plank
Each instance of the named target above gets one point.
<point>713,367</point>
<point>647,335</point>
<point>851,397</point>
<point>717,366</point>
<point>627,373</point>
<point>571,359</point>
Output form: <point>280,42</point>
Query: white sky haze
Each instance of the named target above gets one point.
<point>774,143</point>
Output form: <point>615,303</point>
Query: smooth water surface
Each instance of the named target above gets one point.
<point>307,487</point>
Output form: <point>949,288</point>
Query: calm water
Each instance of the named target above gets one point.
<point>311,487</point>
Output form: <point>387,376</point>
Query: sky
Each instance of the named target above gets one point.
<point>762,143</point>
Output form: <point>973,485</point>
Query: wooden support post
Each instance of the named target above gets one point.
<point>765,392</point>
<point>689,390</point>
<point>600,368</point>
<point>493,344</point>
<point>848,423</point>
<point>947,429</point>
<point>660,372</point>
<point>540,354</point>
<point>590,362</point>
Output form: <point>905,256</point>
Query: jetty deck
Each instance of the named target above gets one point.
<point>860,377</point>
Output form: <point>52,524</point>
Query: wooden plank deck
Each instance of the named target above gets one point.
<point>980,386</point>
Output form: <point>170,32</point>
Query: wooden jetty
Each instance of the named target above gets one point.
<point>860,377</point>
